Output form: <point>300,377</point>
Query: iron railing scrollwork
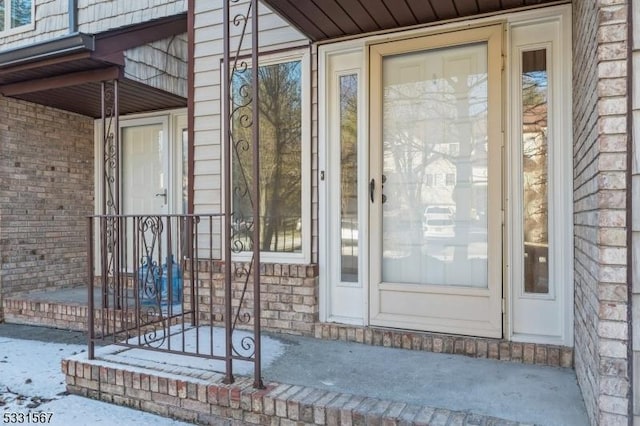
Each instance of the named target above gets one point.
<point>111,147</point>
<point>168,275</point>
<point>110,182</point>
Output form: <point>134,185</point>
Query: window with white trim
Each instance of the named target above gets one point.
<point>283,150</point>
<point>15,14</point>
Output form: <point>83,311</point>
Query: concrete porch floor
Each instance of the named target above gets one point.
<point>68,295</point>
<point>517,392</point>
<point>491,389</point>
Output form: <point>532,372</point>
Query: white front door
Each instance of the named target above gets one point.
<point>435,188</point>
<point>145,167</point>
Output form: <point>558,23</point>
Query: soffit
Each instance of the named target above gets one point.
<point>66,73</point>
<point>327,19</point>
<point>86,98</point>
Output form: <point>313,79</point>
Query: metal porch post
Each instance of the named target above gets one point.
<point>111,187</point>
<point>257,375</point>
<point>226,140</point>
<point>232,64</point>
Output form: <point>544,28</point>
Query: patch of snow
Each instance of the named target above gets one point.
<point>31,380</point>
<point>209,340</point>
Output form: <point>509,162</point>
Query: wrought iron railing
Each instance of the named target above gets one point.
<point>155,283</point>
<point>285,233</point>
<point>144,284</point>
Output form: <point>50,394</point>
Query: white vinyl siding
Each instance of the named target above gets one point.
<point>51,18</point>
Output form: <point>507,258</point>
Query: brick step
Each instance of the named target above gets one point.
<point>66,315</point>
<point>206,400</point>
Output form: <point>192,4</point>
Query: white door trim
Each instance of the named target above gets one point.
<point>171,117</point>
<point>543,318</point>
<point>565,219</point>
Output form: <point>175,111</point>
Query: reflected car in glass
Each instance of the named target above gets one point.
<point>438,222</point>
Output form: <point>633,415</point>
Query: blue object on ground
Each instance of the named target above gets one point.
<point>176,282</point>
<point>154,282</point>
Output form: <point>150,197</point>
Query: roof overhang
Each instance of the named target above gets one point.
<point>332,19</point>
<point>66,72</point>
<point>62,46</point>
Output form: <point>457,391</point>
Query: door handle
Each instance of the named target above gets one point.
<point>372,188</point>
<point>163,194</point>
<point>384,197</point>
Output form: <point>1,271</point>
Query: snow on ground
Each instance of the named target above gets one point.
<point>31,381</point>
<point>209,340</point>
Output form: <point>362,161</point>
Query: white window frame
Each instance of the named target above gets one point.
<point>304,256</point>
<point>22,28</point>
<point>332,58</point>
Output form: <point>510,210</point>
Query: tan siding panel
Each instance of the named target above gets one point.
<point>94,16</point>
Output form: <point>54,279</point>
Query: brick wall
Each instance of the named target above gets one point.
<point>46,190</point>
<point>289,295</point>
<point>599,128</point>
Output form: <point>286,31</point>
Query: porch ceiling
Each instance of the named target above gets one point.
<point>326,19</point>
<point>66,73</point>
<point>86,98</point>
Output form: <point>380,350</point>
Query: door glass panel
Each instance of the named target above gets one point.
<point>435,167</point>
<point>185,171</point>
<point>349,177</point>
<point>143,188</point>
<point>535,171</point>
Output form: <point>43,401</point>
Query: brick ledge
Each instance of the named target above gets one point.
<point>474,347</point>
<point>63,315</point>
<point>209,401</point>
